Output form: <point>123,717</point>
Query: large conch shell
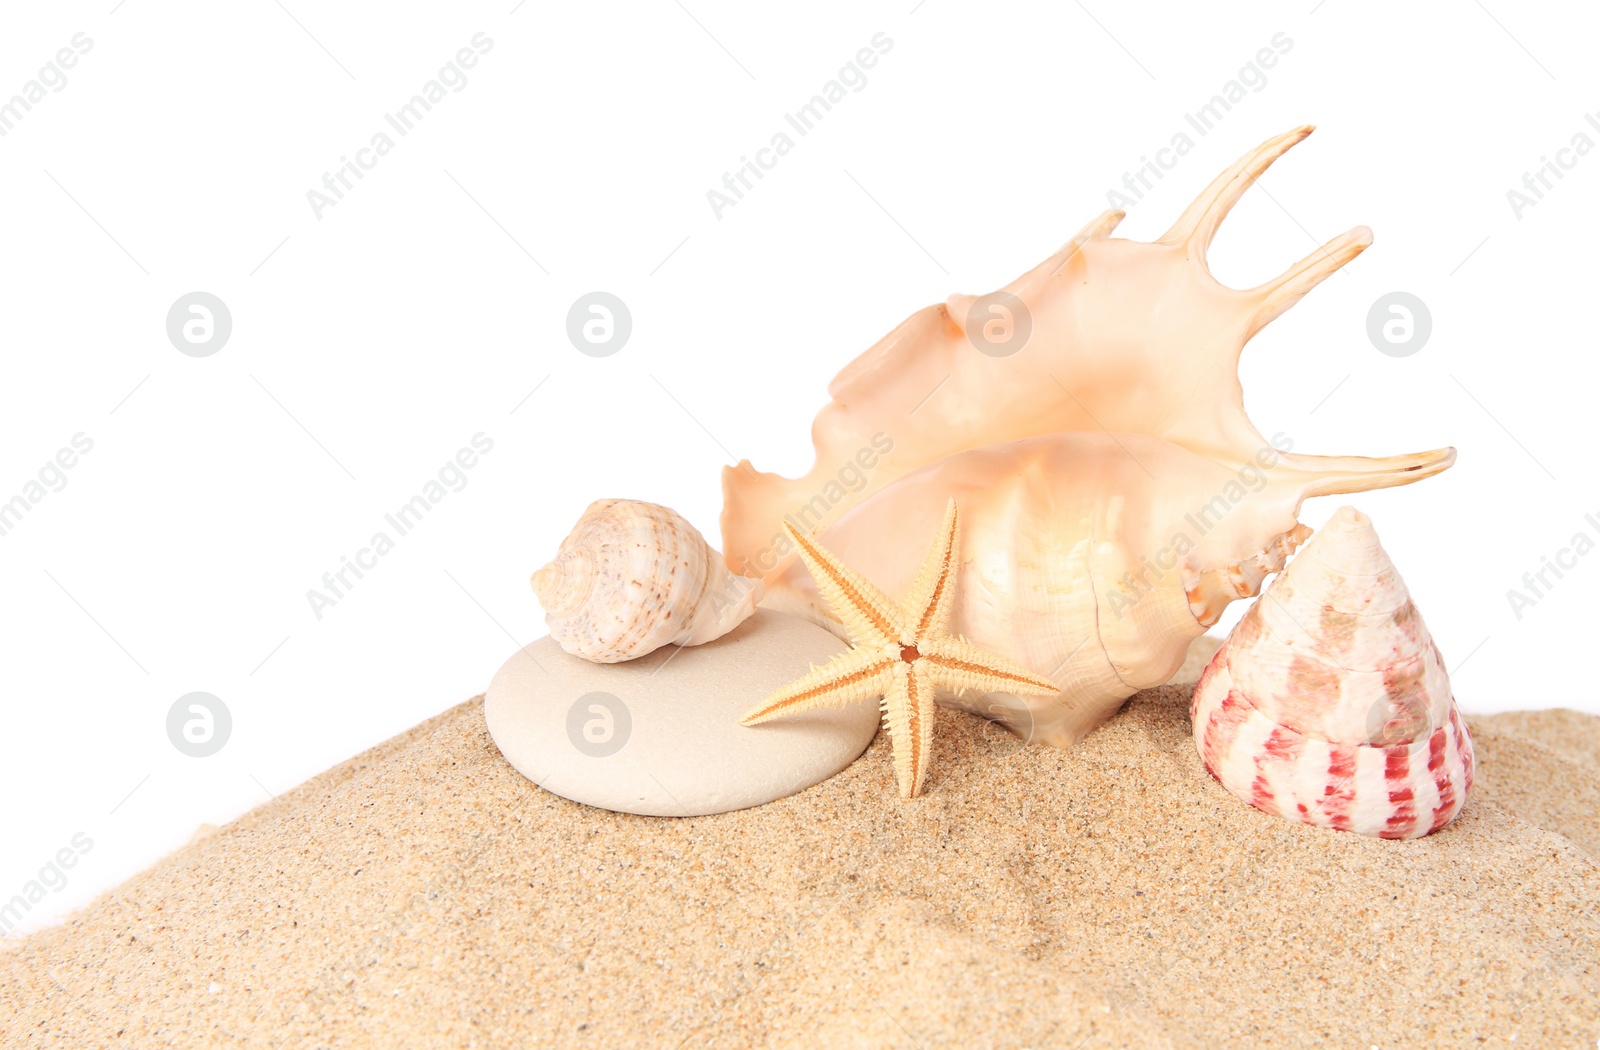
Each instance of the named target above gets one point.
<point>1115,495</point>
<point>1329,703</point>
<point>1126,337</point>
<point>632,577</point>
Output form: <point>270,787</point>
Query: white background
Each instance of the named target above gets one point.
<point>372,343</point>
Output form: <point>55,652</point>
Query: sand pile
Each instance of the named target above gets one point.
<point>425,895</point>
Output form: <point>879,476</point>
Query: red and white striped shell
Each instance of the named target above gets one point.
<point>1329,703</point>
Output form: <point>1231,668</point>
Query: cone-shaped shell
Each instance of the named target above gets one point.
<point>632,577</point>
<point>1329,703</point>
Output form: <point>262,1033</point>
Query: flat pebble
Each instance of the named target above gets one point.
<point>660,735</point>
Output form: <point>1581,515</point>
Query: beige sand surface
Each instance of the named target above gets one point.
<point>1571,734</point>
<point>425,895</point>
<point>1544,766</point>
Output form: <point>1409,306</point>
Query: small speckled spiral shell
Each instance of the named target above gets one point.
<point>632,577</point>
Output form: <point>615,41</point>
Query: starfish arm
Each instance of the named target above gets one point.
<point>908,714</point>
<point>867,613</point>
<point>958,664</point>
<point>933,594</point>
<point>856,674</point>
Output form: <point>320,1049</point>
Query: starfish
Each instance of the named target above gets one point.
<point>901,652</point>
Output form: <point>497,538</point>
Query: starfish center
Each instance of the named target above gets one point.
<point>909,653</point>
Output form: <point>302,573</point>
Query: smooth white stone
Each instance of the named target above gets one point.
<point>663,737</point>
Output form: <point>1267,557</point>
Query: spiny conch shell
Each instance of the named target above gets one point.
<point>1126,337</point>
<point>632,577</point>
<point>1115,496</point>
<point>1329,703</point>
